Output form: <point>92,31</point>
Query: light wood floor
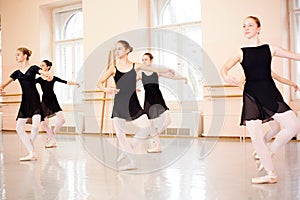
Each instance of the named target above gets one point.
<point>85,167</point>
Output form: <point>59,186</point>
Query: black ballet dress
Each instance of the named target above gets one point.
<point>154,104</point>
<point>126,103</point>
<point>261,98</point>
<point>30,104</point>
<point>50,105</point>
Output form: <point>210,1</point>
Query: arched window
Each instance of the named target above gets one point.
<point>68,48</point>
<point>73,27</point>
<point>183,17</point>
<point>175,12</point>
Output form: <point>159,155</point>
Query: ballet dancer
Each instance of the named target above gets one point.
<point>274,126</point>
<point>262,101</point>
<point>50,105</point>
<point>126,106</point>
<point>154,103</point>
<point>30,107</point>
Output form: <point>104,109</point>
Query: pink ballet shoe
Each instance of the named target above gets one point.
<point>130,166</point>
<point>255,156</point>
<point>51,145</point>
<point>271,177</point>
<point>31,157</point>
<point>156,149</point>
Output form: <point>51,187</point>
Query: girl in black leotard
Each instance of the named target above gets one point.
<point>274,125</point>
<point>126,105</point>
<point>154,103</point>
<point>50,105</point>
<point>30,106</point>
<point>262,101</point>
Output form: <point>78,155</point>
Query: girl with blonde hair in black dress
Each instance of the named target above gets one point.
<point>30,107</point>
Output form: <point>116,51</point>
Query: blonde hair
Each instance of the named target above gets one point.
<point>25,51</point>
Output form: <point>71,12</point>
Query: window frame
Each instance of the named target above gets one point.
<point>156,20</point>
<point>68,42</point>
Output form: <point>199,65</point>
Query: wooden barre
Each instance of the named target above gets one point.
<point>99,99</point>
<point>220,86</point>
<point>224,96</point>
<point>10,95</point>
<point>92,91</point>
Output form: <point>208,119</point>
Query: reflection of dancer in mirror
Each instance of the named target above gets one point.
<point>126,106</point>
<point>30,106</point>
<point>154,103</point>
<point>50,104</point>
<point>262,101</point>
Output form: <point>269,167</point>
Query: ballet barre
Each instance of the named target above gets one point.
<point>103,99</point>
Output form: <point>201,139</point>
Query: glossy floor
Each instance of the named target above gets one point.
<point>85,167</point>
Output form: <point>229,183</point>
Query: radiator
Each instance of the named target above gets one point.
<point>74,124</point>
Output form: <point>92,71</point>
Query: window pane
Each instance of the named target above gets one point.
<point>297,46</point>
<point>64,71</point>
<point>0,55</point>
<point>73,28</point>
<point>68,25</point>
<point>179,11</point>
<point>297,3</point>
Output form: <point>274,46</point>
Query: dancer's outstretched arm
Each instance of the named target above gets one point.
<point>284,81</point>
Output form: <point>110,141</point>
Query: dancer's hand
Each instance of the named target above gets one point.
<point>233,80</point>
<point>2,90</point>
<point>295,86</point>
<point>111,90</point>
<point>185,80</point>
<point>171,72</point>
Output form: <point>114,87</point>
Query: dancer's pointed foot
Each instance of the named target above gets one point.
<point>156,149</point>
<point>271,177</point>
<point>130,166</point>
<point>51,145</point>
<point>255,156</point>
<point>30,157</point>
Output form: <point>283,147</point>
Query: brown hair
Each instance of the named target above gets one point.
<point>25,51</point>
<point>257,21</point>
<point>126,45</point>
<point>149,54</point>
<point>48,63</point>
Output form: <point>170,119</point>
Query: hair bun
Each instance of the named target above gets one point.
<point>29,52</point>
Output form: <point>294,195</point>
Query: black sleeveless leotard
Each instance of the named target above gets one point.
<point>30,104</point>
<point>126,103</point>
<point>261,98</point>
<point>154,104</point>
<point>50,105</point>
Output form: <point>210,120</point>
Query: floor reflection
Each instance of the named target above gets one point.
<point>2,175</point>
<point>71,171</point>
